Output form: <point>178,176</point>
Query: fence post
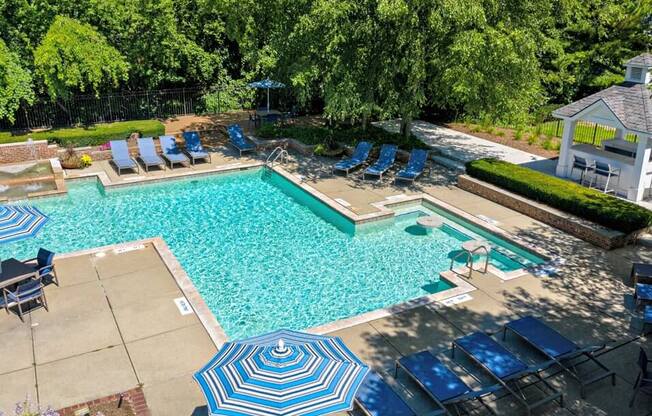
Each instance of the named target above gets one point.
<point>595,131</point>
<point>557,129</point>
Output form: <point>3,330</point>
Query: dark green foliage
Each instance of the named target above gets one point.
<point>606,210</point>
<point>345,135</point>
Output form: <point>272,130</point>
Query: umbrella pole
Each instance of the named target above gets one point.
<point>268,100</point>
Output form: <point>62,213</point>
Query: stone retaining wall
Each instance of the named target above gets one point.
<point>588,231</point>
<point>24,152</point>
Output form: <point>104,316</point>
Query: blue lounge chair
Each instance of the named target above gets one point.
<point>644,380</point>
<point>557,347</point>
<point>171,151</point>
<point>642,293</point>
<point>506,368</point>
<point>415,166</point>
<point>376,398</point>
<point>239,140</point>
<point>439,382</point>
<point>384,162</point>
<point>194,149</point>
<point>360,155</point>
<point>43,264</point>
<point>120,156</point>
<point>28,291</point>
<point>147,153</point>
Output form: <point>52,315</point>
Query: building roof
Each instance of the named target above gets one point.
<point>644,59</point>
<point>630,102</point>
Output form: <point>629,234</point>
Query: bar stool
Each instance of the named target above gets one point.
<point>583,166</point>
<point>606,171</point>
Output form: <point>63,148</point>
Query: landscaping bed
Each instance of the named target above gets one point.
<point>605,210</point>
<point>90,135</point>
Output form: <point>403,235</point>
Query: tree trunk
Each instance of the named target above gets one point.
<point>406,123</point>
<point>365,121</point>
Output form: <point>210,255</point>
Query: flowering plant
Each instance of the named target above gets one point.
<point>85,161</point>
<point>24,408</point>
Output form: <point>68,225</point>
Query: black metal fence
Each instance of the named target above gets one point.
<point>585,132</point>
<point>89,109</point>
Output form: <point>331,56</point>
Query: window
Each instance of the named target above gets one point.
<point>635,74</point>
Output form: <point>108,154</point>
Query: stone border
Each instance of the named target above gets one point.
<point>588,231</point>
<point>135,397</point>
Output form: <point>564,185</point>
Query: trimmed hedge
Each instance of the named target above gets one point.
<point>606,210</point>
<point>92,135</point>
<point>315,135</point>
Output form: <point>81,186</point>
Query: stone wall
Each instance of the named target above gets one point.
<point>588,231</point>
<point>23,152</point>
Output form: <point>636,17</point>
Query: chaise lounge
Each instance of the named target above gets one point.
<point>415,166</point>
<point>558,348</point>
<point>171,151</point>
<point>384,162</point>
<point>238,139</point>
<point>439,382</point>
<point>147,153</point>
<point>506,368</point>
<point>120,156</point>
<point>359,157</point>
<point>194,149</point>
<point>376,398</point>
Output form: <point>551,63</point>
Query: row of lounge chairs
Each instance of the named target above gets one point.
<point>505,368</point>
<point>149,157</point>
<point>414,168</point>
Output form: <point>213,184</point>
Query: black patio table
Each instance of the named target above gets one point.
<point>15,271</point>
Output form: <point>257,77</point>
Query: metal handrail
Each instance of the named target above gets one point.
<point>469,258</point>
<point>277,153</point>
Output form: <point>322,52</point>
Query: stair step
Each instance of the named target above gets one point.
<point>449,163</point>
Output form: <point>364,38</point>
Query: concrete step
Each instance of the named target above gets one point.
<point>449,163</point>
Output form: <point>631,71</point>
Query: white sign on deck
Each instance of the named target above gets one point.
<point>183,306</point>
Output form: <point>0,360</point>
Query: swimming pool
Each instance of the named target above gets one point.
<point>262,252</point>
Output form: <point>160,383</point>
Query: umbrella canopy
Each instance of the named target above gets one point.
<point>266,84</point>
<point>19,222</point>
<point>282,373</point>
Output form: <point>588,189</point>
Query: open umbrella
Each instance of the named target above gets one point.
<point>280,374</point>
<point>19,222</point>
<point>267,84</point>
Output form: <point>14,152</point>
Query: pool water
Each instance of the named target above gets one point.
<point>262,253</point>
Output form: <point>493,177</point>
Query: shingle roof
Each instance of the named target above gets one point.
<point>630,102</point>
<point>644,59</point>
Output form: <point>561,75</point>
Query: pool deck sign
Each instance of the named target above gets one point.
<point>183,306</point>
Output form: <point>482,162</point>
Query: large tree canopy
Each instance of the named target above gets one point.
<point>75,57</point>
<point>15,83</point>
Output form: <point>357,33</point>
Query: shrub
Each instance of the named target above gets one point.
<point>518,134</point>
<point>476,129</point>
<point>92,135</point>
<point>500,133</point>
<point>532,140</point>
<point>346,135</point>
<point>568,196</point>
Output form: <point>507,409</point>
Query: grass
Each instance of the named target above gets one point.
<point>312,135</point>
<point>92,135</point>
<point>606,210</point>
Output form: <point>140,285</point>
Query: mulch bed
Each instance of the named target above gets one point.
<point>508,140</point>
<point>132,404</point>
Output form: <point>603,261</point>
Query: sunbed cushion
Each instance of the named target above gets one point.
<point>644,291</point>
<point>385,160</point>
<point>171,150</point>
<point>238,139</point>
<point>497,359</point>
<point>198,155</point>
<point>415,165</point>
<point>378,398</point>
<point>347,164</point>
<point>120,154</point>
<point>193,143</point>
<point>437,379</point>
<point>551,342</point>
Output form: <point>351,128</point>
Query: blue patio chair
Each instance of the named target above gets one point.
<point>120,156</point>
<point>28,291</point>
<point>384,162</point>
<point>647,318</point>
<point>506,368</point>
<point>360,155</point>
<point>642,293</point>
<point>644,380</point>
<point>43,264</point>
<point>239,140</point>
<point>415,166</point>
<point>171,151</point>
<point>376,398</point>
<point>147,153</point>
<point>439,382</point>
<point>558,348</point>
<point>194,149</point>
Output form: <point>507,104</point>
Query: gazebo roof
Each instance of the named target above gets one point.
<point>644,59</point>
<point>630,102</point>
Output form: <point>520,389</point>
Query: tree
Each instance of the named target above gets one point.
<point>73,56</point>
<point>15,83</point>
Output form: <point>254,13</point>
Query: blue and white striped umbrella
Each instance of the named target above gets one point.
<point>18,222</point>
<point>281,374</point>
<point>266,84</point>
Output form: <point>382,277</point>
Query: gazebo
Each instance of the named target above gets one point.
<point>627,108</point>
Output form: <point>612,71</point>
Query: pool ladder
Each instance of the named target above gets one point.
<point>279,154</point>
<point>469,258</point>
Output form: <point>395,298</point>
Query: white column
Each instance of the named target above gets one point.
<point>636,189</point>
<point>620,134</point>
<point>565,163</point>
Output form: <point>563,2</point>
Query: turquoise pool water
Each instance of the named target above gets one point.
<point>263,253</point>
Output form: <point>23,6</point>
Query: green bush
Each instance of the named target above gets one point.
<point>346,135</point>
<point>568,196</point>
<point>92,135</point>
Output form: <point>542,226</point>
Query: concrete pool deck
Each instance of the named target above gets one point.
<point>100,337</point>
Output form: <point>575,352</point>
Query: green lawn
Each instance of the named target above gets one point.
<point>92,135</point>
